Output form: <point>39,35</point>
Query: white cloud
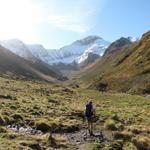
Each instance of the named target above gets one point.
<point>71,15</point>
<point>69,22</point>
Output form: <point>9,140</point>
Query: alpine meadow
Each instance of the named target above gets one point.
<point>74,75</point>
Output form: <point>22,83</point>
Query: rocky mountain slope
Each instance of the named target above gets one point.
<point>118,45</point>
<point>125,67</point>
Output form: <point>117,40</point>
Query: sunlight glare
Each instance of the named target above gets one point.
<point>17,18</point>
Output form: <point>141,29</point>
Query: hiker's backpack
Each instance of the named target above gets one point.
<point>89,110</point>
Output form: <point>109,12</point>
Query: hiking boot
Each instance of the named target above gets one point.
<point>91,133</point>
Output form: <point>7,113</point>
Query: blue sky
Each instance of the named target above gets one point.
<point>55,23</point>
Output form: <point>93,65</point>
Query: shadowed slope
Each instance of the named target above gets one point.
<point>13,64</point>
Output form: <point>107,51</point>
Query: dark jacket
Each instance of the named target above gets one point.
<point>89,110</point>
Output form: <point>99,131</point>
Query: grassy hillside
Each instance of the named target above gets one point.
<point>47,108</point>
<point>126,70</point>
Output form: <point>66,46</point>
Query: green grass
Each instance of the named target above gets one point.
<point>37,103</point>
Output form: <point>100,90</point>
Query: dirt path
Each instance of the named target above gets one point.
<point>82,137</point>
<point>101,136</point>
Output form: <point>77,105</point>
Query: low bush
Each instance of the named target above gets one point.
<point>110,125</point>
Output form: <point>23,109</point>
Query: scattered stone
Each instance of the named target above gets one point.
<point>21,129</point>
<point>81,137</point>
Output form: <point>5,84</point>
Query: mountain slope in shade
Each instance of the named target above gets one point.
<point>117,45</point>
<point>127,69</point>
<point>15,65</point>
<point>91,58</point>
<point>19,48</point>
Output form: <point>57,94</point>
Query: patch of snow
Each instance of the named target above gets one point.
<point>133,39</point>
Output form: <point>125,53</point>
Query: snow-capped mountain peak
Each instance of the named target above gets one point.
<point>88,40</point>
<point>78,51</point>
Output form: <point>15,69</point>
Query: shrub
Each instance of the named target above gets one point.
<point>35,146</point>
<point>142,143</point>
<point>110,125</point>
<point>126,136</point>
<point>115,145</point>
<point>70,129</point>
<point>2,129</point>
<point>115,117</point>
<point>44,127</point>
<point>17,117</point>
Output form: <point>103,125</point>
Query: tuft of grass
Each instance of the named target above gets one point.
<point>3,129</point>
<point>110,125</point>
<point>126,136</point>
<point>142,142</point>
<point>90,146</point>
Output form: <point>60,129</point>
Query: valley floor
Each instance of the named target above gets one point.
<point>46,116</point>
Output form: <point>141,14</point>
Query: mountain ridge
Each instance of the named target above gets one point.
<point>127,69</point>
<point>76,51</point>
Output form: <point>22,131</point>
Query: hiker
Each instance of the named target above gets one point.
<point>89,113</point>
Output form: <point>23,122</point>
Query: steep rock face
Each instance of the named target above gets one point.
<point>117,45</point>
<point>91,58</point>
<point>123,69</point>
